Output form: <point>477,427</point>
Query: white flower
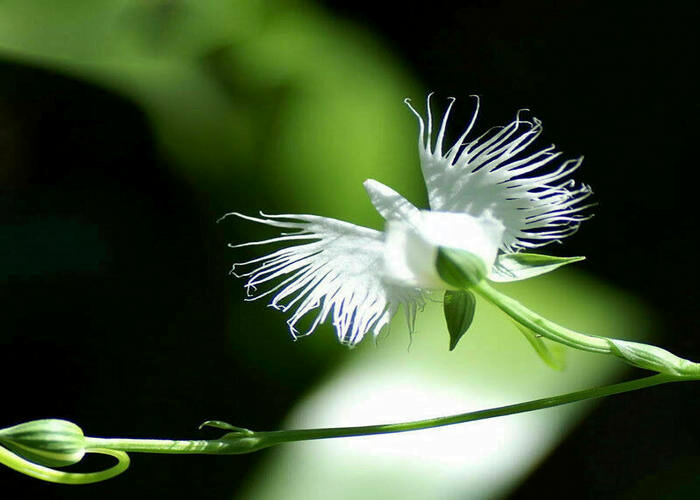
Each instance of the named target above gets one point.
<point>482,201</point>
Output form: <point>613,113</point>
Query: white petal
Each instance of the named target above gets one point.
<point>478,235</point>
<point>489,173</point>
<point>411,250</point>
<point>338,271</point>
<point>409,259</point>
<point>389,203</point>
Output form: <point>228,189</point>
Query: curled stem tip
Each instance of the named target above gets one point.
<point>37,447</point>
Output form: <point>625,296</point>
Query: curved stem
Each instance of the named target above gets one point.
<point>541,325</point>
<point>246,441</point>
<point>537,404</point>
<point>238,442</point>
<point>648,357</point>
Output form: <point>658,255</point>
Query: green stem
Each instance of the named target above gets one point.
<point>641,355</point>
<point>246,441</point>
<point>161,446</point>
<point>541,325</point>
<point>238,442</point>
<point>538,404</point>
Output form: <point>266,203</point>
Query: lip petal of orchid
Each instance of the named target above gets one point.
<point>337,272</point>
<point>489,173</point>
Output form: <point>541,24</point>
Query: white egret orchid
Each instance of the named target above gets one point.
<point>484,200</point>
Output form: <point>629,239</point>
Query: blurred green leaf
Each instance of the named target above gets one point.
<point>252,92</point>
<point>551,353</point>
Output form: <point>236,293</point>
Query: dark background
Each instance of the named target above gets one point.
<point>133,286</point>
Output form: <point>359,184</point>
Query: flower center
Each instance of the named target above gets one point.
<point>412,246</point>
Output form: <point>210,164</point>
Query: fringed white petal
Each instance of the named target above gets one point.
<point>338,270</point>
<point>492,171</point>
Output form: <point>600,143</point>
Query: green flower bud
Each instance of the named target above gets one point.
<point>47,442</point>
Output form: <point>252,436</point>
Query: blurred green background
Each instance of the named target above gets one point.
<point>128,127</point>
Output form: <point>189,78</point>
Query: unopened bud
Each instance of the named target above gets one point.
<point>47,442</point>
